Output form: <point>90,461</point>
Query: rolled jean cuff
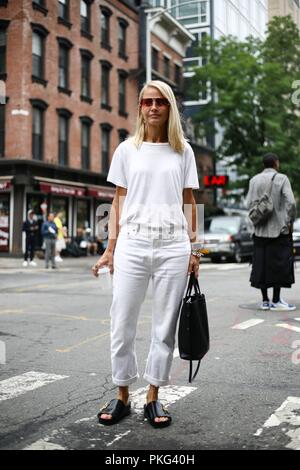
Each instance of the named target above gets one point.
<point>156,382</point>
<point>125,383</point>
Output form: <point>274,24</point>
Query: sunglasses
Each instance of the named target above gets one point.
<point>147,102</point>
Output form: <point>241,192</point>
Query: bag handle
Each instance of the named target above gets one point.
<point>191,371</point>
<point>271,183</point>
<point>193,282</point>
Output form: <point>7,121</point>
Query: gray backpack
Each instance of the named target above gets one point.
<point>263,207</point>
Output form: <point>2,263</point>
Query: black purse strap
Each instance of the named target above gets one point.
<point>191,376</point>
<point>193,282</point>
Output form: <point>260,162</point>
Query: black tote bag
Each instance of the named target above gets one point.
<point>193,331</point>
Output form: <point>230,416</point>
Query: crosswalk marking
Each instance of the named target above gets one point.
<point>287,413</point>
<point>44,444</point>
<point>247,324</point>
<point>20,384</point>
<point>289,327</point>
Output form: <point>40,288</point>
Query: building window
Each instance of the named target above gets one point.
<point>39,35</point>
<point>86,58</point>
<point>192,14</point>
<point>38,120</point>
<point>123,134</point>
<point>3,46</point>
<point>105,27</point>
<point>105,146</point>
<point>2,130</point>
<point>155,65</point>
<point>86,124</point>
<point>63,63</point>
<point>40,5</point>
<point>122,92</point>
<point>166,67</point>
<point>63,136</point>
<point>85,18</point>
<point>177,75</point>
<point>64,12</point>
<point>105,82</point>
<point>122,38</point>
<point>3,3</point>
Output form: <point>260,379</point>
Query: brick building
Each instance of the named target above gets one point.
<point>70,74</point>
<point>69,102</point>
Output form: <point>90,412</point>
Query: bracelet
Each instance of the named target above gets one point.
<point>197,253</point>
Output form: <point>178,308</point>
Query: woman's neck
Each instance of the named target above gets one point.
<point>156,135</point>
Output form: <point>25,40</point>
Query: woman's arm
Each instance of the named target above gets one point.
<point>114,218</point>
<point>190,212</point>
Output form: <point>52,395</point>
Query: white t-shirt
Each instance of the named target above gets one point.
<point>154,175</point>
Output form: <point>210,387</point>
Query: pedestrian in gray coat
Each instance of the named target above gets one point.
<point>273,263</point>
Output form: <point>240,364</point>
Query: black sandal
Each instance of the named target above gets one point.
<point>117,409</point>
<point>155,409</point>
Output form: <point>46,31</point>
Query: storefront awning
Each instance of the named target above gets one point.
<point>101,193</point>
<point>62,190</point>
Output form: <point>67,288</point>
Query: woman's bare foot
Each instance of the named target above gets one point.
<point>152,395</point>
<point>123,395</point>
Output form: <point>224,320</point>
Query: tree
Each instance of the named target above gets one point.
<point>255,101</point>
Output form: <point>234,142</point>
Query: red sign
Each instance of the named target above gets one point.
<point>215,181</point>
<point>4,185</point>
<point>101,193</point>
<point>62,190</point>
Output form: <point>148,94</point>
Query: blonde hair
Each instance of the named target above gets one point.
<point>176,137</point>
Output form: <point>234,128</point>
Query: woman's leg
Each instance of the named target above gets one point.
<point>276,295</point>
<point>132,262</point>
<point>265,295</point>
<point>170,276</point>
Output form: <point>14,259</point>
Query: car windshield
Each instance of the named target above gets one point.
<point>225,225</point>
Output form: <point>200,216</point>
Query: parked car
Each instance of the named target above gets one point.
<point>228,237</point>
<point>296,237</point>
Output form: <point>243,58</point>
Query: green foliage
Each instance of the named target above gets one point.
<point>252,87</point>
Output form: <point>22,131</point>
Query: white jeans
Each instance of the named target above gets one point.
<point>138,258</point>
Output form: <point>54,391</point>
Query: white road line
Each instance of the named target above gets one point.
<point>43,444</point>
<point>232,266</point>
<point>298,319</point>
<point>287,413</point>
<point>289,327</point>
<point>118,437</point>
<point>167,395</point>
<point>247,324</point>
<point>20,384</point>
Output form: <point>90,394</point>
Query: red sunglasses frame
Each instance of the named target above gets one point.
<point>159,102</point>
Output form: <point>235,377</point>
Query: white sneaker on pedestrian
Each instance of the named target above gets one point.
<point>282,306</point>
<point>32,263</point>
<point>58,259</point>
<point>25,264</point>
<point>265,305</point>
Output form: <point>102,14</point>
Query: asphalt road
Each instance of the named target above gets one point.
<point>55,370</point>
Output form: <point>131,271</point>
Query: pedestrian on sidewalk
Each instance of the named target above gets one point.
<point>149,238</point>
<point>49,233</point>
<point>30,227</point>
<point>60,241</point>
<point>273,262</point>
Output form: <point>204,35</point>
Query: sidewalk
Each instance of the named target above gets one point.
<point>7,263</point>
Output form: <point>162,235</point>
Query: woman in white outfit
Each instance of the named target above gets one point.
<point>149,237</point>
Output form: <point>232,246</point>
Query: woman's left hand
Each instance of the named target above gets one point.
<point>194,265</point>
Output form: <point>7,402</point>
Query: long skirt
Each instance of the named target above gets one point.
<point>273,262</point>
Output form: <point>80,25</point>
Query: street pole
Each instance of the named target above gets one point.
<point>149,19</point>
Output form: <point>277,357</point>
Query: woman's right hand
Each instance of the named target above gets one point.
<point>107,259</point>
